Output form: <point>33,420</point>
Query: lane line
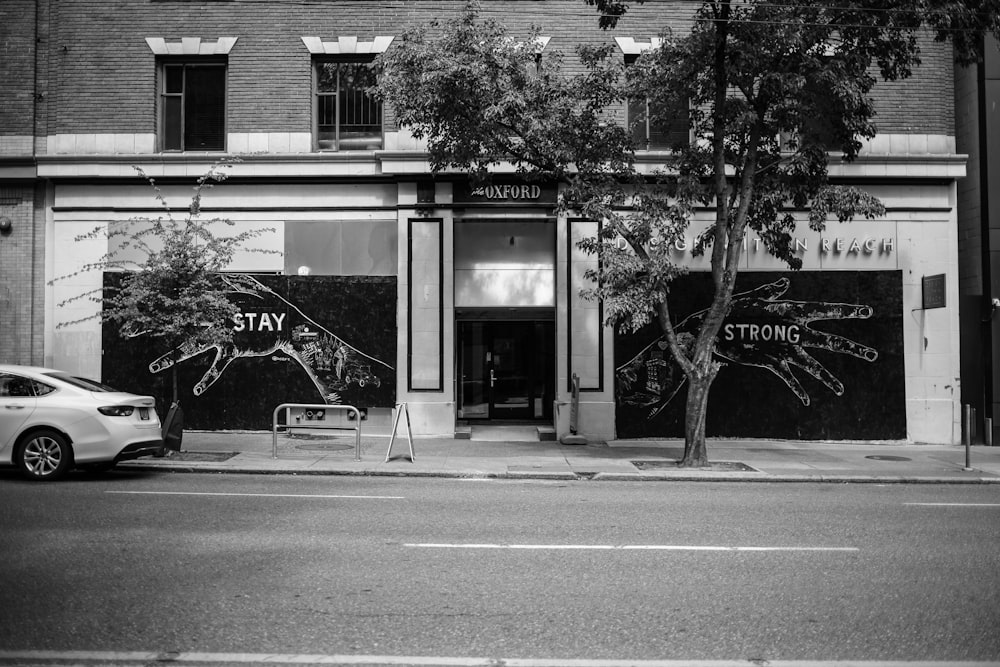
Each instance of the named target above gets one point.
<point>106,657</point>
<point>249,495</point>
<point>955,504</point>
<point>617,547</point>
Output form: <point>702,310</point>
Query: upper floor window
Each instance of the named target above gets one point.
<point>654,127</point>
<point>647,133</point>
<point>193,106</point>
<point>347,117</point>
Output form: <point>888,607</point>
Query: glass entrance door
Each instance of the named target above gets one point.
<point>507,370</point>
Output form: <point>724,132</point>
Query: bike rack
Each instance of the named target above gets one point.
<point>317,425</point>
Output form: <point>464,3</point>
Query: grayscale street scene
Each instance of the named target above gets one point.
<point>500,333</point>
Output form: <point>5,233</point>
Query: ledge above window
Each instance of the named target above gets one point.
<point>347,46</point>
<point>630,47</point>
<point>191,46</point>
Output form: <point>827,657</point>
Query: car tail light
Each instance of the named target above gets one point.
<point>116,410</point>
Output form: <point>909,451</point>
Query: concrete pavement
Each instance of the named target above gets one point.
<point>517,453</point>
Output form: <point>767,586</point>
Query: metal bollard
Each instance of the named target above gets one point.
<point>967,436</point>
<point>574,407</point>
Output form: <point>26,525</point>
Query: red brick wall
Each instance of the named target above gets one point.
<point>924,103</point>
<point>17,65</point>
<point>102,71</point>
<point>21,277</point>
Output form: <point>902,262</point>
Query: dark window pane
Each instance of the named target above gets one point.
<point>656,131</point>
<point>173,76</point>
<point>172,123</point>
<point>326,123</point>
<point>360,115</point>
<point>204,109</point>
<point>671,134</point>
<point>637,123</point>
<point>14,385</point>
<point>326,77</point>
<point>357,76</point>
<point>41,389</point>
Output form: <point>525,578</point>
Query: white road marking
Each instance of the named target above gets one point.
<point>955,504</point>
<point>106,657</point>
<point>620,547</point>
<point>250,495</point>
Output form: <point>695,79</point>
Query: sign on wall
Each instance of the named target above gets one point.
<point>811,355</point>
<point>503,191</point>
<point>317,339</point>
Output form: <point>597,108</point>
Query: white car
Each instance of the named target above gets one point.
<point>51,421</point>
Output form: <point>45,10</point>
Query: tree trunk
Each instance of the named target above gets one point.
<point>696,413</point>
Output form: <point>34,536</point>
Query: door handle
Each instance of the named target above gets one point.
<point>493,378</point>
<point>15,406</point>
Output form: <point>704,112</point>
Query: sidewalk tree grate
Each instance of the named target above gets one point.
<point>713,466</point>
<point>886,457</point>
<point>202,456</point>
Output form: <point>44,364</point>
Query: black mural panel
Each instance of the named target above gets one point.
<point>808,355</point>
<point>299,339</point>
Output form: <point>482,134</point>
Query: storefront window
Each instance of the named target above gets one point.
<point>341,248</point>
<point>505,264</point>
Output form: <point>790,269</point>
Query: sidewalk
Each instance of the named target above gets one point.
<point>517,454</point>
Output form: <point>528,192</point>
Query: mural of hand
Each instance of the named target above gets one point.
<point>761,330</point>
<point>223,357</point>
<point>270,324</point>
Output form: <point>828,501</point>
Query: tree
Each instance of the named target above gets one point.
<point>748,74</point>
<point>174,294</point>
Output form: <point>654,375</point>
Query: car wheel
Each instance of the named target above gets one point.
<point>44,456</point>
<point>99,467</point>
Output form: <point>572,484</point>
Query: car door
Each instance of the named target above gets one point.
<point>17,402</point>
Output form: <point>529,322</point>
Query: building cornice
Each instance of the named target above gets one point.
<point>18,168</point>
<point>407,163</point>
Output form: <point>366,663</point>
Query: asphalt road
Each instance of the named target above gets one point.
<point>176,564</point>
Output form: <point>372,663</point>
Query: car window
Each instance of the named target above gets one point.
<point>82,383</point>
<point>14,386</point>
<point>40,388</point>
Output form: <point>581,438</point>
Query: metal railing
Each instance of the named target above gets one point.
<point>316,424</point>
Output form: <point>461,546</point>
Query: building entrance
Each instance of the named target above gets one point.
<point>507,370</point>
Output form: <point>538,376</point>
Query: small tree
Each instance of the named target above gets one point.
<point>747,74</point>
<point>175,294</point>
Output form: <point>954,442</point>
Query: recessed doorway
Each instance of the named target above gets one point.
<point>507,370</point>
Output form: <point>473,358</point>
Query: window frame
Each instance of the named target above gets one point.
<point>646,141</point>
<point>162,94</point>
<point>315,64</point>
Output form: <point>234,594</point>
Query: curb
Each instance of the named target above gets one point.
<point>707,476</point>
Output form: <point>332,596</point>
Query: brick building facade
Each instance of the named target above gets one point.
<point>978,135</point>
<point>369,241</point>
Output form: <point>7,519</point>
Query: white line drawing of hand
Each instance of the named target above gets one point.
<point>760,330</point>
<point>793,318</point>
<point>330,362</point>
